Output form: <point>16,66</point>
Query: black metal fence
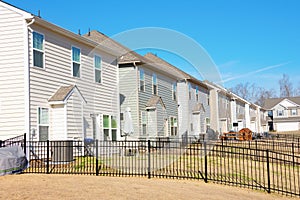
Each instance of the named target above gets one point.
<point>15,141</point>
<point>270,165</point>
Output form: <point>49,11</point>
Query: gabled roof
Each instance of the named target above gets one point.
<point>153,101</point>
<point>126,55</point>
<point>272,102</point>
<point>63,93</point>
<point>157,60</point>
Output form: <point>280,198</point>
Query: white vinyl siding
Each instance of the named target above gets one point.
<point>12,98</point>
<point>100,98</point>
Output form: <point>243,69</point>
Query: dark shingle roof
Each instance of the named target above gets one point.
<point>154,100</point>
<point>61,93</point>
<point>157,60</point>
<point>270,103</point>
<point>198,107</point>
<point>126,54</point>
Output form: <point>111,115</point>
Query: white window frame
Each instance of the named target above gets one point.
<point>109,128</point>
<point>144,123</point>
<point>171,131</point>
<point>278,113</point>
<point>38,121</point>
<point>294,112</point>
<point>207,122</point>
<point>174,91</point>
<point>153,90</point>
<point>96,69</point>
<point>34,49</point>
<point>72,68</point>
<point>142,71</point>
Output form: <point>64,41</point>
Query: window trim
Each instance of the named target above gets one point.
<point>32,50</point>
<point>171,133</point>
<point>280,111</point>
<point>296,112</point>
<point>38,121</point>
<point>72,68</point>
<point>141,71</point>
<point>110,128</point>
<point>190,91</point>
<point>174,91</point>
<point>154,75</point>
<point>101,80</point>
<point>197,93</point>
<point>144,112</point>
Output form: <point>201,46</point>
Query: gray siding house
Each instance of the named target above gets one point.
<point>146,88</point>
<point>54,84</point>
<point>192,97</point>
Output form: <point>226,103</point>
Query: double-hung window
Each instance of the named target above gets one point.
<point>38,50</point>
<point>280,113</point>
<point>173,121</point>
<point>142,80</point>
<point>197,93</point>
<point>190,91</point>
<point>294,112</point>
<point>144,122</point>
<point>109,128</point>
<point>174,91</point>
<point>43,123</point>
<point>154,84</point>
<point>76,62</point>
<point>98,69</point>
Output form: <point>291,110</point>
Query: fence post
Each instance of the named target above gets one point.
<point>268,171</point>
<point>25,152</point>
<point>205,163</point>
<point>97,160</point>
<point>293,154</point>
<point>149,161</point>
<point>48,155</point>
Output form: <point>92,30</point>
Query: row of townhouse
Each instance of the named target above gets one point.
<point>58,85</point>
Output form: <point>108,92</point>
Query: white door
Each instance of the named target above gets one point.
<point>223,126</point>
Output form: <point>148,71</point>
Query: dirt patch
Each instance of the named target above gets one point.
<point>41,186</point>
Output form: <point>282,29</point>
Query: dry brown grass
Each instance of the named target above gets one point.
<point>37,186</point>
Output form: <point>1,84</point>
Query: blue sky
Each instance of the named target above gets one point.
<point>250,40</point>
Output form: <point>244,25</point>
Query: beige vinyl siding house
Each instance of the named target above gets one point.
<point>284,113</point>
<point>58,86</point>
<point>13,72</point>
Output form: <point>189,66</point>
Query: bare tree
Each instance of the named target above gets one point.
<point>253,93</point>
<point>263,94</point>
<point>286,87</point>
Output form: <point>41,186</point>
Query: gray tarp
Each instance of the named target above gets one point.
<point>12,160</point>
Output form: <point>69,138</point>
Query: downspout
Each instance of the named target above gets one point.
<point>27,82</point>
<point>138,102</point>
